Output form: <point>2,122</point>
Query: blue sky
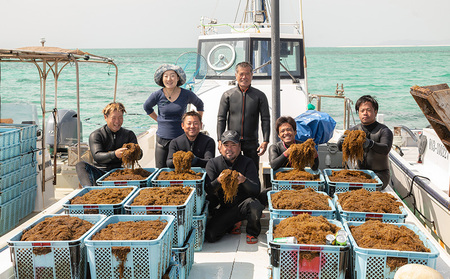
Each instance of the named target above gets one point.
<point>173,23</point>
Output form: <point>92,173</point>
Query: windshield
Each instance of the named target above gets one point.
<point>223,55</point>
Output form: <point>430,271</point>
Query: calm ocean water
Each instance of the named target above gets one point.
<point>385,72</point>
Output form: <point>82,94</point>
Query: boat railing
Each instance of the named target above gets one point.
<point>339,94</point>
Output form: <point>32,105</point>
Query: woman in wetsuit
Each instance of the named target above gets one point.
<point>172,101</point>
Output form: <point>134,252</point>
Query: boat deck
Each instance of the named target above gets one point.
<point>231,257</point>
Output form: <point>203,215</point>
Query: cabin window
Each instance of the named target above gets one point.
<point>291,57</point>
<point>222,56</point>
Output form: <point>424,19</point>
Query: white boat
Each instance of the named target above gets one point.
<point>231,257</point>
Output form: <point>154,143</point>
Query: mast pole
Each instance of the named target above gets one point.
<point>275,42</point>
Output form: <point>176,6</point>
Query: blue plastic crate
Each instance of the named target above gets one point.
<point>146,259</point>
<point>372,262</point>
<point>27,201</point>
<point>199,185</point>
<point>331,260</point>
<point>9,165</point>
<point>183,257</point>
<point>349,216</point>
<point>139,183</point>
<point>67,259</point>
<point>340,187</point>
<point>285,213</point>
<point>9,136</point>
<point>9,179</point>
<point>106,209</point>
<point>28,169</point>
<point>7,152</point>
<point>318,185</point>
<point>28,145</point>
<point>10,193</point>
<point>199,223</point>
<point>28,182</point>
<point>26,131</point>
<point>8,218</point>
<point>27,158</point>
<point>183,215</point>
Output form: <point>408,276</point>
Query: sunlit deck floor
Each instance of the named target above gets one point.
<point>232,257</point>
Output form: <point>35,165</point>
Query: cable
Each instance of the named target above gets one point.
<point>410,194</point>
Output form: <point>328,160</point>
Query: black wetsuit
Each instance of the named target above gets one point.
<point>103,143</point>
<point>244,119</point>
<point>376,155</point>
<point>203,147</point>
<point>244,206</point>
<point>278,160</point>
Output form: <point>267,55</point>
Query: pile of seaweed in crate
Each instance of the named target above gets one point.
<point>18,173</point>
<point>311,235</point>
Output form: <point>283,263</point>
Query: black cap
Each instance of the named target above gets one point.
<point>230,135</point>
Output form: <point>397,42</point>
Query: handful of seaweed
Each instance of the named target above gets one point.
<point>182,161</point>
<point>302,154</point>
<point>352,147</point>
<point>131,156</point>
<point>230,184</point>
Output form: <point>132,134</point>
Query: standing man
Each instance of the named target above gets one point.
<point>106,144</point>
<point>244,205</point>
<point>201,145</point>
<point>378,142</point>
<point>240,109</point>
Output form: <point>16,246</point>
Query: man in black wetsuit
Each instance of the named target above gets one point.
<point>240,109</point>
<point>378,142</point>
<point>106,144</point>
<point>244,205</point>
<point>200,144</point>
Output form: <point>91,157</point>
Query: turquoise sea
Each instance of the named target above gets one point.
<point>385,72</point>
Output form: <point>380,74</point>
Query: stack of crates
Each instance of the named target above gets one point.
<point>183,255</point>
<point>18,173</point>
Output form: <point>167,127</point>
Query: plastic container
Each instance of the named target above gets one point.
<point>27,158</point>
<point>8,216</point>
<point>28,145</point>
<point>183,257</point>
<point>331,261</point>
<point>183,215</point>
<point>340,187</point>
<point>26,131</point>
<point>28,182</point>
<point>318,185</point>
<point>171,272</point>
<point>28,169</point>
<point>106,209</point>
<point>27,201</point>
<point>8,136</point>
<point>285,213</point>
<point>9,165</point>
<point>9,179</point>
<point>10,193</point>
<point>139,183</point>
<point>198,185</point>
<point>146,259</point>
<point>199,223</point>
<point>350,216</point>
<point>7,152</point>
<point>67,259</point>
<point>372,262</point>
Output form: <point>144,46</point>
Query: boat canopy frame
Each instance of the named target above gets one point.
<point>47,61</point>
